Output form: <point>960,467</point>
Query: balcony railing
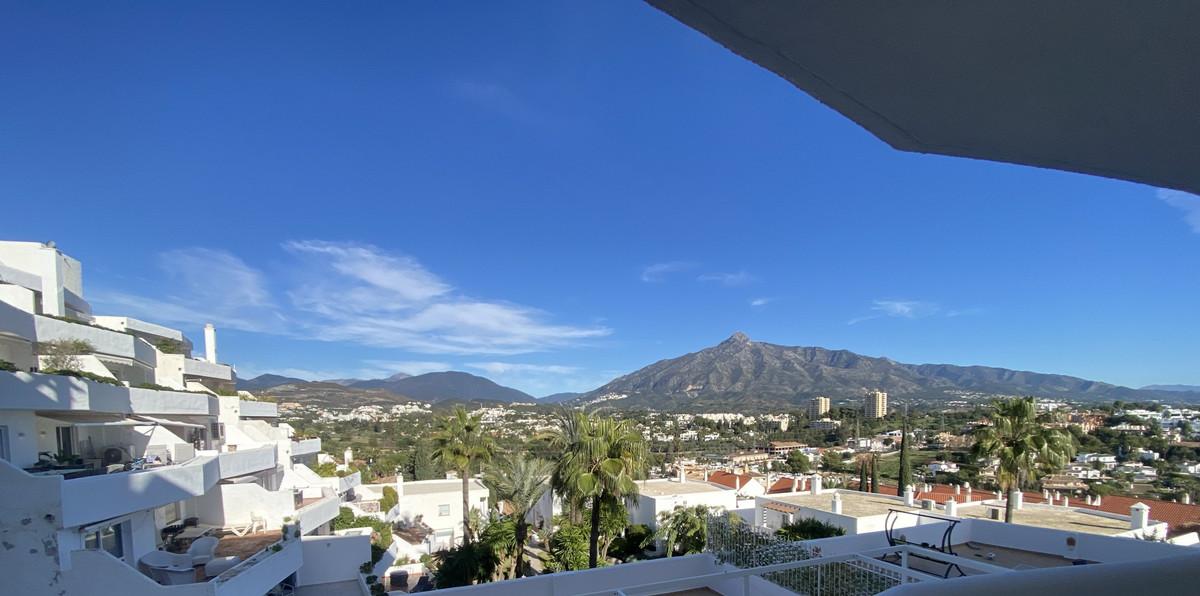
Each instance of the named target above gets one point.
<point>306,447</point>
<point>263,570</point>
<point>258,409</point>
<point>36,391</point>
<point>247,461</point>
<point>94,498</point>
<point>312,515</point>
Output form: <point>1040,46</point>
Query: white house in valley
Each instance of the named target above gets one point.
<point>138,470</point>
<point>431,509</point>
<point>663,495</point>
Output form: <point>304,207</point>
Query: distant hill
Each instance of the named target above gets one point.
<point>266,382</point>
<point>1174,388</point>
<point>558,398</point>
<point>739,372</point>
<point>333,395</point>
<point>342,382</point>
<point>374,383</point>
<point>440,386</point>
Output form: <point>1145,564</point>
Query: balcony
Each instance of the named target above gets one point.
<point>258,409</point>
<point>315,512</point>
<point>104,341</point>
<point>247,461</point>
<point>203,368</point>
<point>94,498</point>
<point>306,447</point>
<point>36,391</point>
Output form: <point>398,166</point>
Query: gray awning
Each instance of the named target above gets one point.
<point>166,422</point>
<point>1108,87</point>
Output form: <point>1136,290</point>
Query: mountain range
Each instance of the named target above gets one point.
<point>744,373</point>
<point>430,387</point>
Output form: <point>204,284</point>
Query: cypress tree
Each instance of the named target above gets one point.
<point>905,464</point>
<point>874,474</point>
<point>862,475</point>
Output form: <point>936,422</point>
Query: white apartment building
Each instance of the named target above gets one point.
<point>432,508</point>
<point>663,495</point>
<point>875,404</point>
<point>818,407</point>
<point>107,480</point>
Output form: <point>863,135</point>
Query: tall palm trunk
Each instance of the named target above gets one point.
<point>594,541</point>
<point>1010,504</point>
<point>522,532</point>
<point>468,536</point>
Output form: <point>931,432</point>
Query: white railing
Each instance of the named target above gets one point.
<point>855,573</point>
<point>258,409</point>
<point>312,516</point>
<point>263,570</point>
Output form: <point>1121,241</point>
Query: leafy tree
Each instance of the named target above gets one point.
<point>520,482</point>
<point>808,528</point>
<point>63,354</point>
<point>683,530</point>
<point>1022,445</point>
<point>905,474</point>
<point>464,565</point>
<point>569,548</point>
<point>632,544</point>
<point>798,463</point>
<point>460,444</point>
<point>423,465</point>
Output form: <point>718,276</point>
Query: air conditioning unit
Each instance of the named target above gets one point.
<point>928,504</point>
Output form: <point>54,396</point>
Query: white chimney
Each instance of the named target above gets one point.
<point>908,496</point>
<point>816,485</point>
<point>210,343</point>
<point>836,504</point>
<point>1018,499</point>
<point>682,475</point>
<point>1186,499</point>
<point>951,507</point>
<point>1097,503</point>
<point>795,483</point>
<point>737,482</point>
<point>1046,495</point>
<point>1139,516</point>
<point>399,484</point>
<point>706,474</point>
<point>347,456</point>
<point>957,489</point>
<point>770,482</point>
<point>1087,499</point>
<point>1066,501</point>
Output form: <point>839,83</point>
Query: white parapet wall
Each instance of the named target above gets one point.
<point>330,559</point>
<point>95,498</point>
<point>596,580</point>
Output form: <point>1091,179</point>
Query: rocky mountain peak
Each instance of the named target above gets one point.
<point>738,339</point>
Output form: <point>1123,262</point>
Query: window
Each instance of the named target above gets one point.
<point>4,454</point>
<point>66,440</point>
<point>110,539</point>
<point>443,510</point>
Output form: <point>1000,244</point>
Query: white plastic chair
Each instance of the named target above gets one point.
<point>201,549</point>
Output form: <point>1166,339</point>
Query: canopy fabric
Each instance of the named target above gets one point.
<point>1107,87</point>
<point>165,422</point>
<point>92,419</point>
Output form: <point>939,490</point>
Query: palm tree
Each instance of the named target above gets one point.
<point>460,444</point>
<point>601,459</point>
<point>684,529</point>
<point>1023,446</point>
<point>520,482</point>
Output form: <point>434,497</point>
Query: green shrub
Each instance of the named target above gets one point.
<point>365,567</point>
<point>7,366</point>
<point>372,579</point>
<point>389,500</point>
<point>170,346</point>
<point>808,528</point>
<point>63,354</point>
<point>79,374</point>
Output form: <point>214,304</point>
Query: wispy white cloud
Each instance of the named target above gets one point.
<point>659,271</point>
<point>502,100</point>
<point>904,309</point>
<point>206,286</point>
<point>386,368</point>
<point>505,368</point>
<point>760,302</point>
<point>1188,203</point>
<point>739,278</point>
<point>351,293</point>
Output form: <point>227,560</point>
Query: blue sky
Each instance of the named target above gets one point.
<point>549,194</point>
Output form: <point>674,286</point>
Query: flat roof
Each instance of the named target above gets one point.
<point>665,487</point>
<point>430,487</point>
<point>854,503</point>
<point>1057,518</point>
